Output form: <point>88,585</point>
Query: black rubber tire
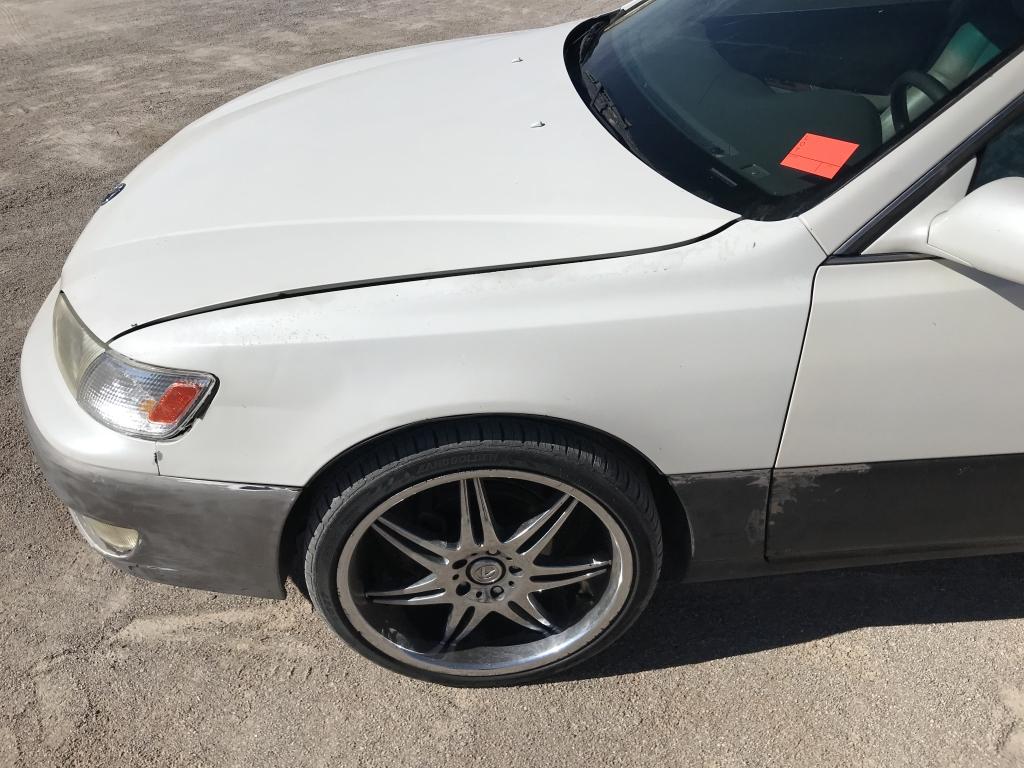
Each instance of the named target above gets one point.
<point>351,491</point>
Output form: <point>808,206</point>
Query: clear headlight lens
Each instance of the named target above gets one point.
<point>76,348</point>
<point>130,397</point>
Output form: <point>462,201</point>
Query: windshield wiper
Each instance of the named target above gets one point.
<point>602,105</point>
<point>589,40</point>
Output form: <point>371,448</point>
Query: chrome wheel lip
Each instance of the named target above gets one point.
<point>498,660</point>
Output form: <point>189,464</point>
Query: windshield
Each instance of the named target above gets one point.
<point>763,106</point>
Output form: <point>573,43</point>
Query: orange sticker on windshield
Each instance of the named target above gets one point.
<point>819,155</point>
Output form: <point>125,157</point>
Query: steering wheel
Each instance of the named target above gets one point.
<point>928,85</point>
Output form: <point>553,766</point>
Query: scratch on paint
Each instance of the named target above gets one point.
<point>789,483</point>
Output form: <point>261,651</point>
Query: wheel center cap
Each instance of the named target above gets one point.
<point>486,570</point>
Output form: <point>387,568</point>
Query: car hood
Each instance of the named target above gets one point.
<point>460,156</point>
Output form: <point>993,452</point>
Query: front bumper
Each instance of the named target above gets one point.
<point>223,537</point>
<point>219,536</point>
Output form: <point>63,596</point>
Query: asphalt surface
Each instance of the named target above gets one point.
<point>915,665</point>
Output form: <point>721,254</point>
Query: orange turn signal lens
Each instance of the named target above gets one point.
<point>175,400</point>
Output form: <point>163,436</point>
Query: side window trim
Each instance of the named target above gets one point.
<point>907,234</point>
<point>853,249</point>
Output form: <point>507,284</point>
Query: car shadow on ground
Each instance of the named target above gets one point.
<point>692,623</point>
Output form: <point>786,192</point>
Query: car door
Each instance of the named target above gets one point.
<point>905,432</point>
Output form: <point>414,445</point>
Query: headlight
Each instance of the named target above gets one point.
<point>130,397</point>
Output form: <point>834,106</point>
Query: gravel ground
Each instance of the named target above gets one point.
<point>913,665</point>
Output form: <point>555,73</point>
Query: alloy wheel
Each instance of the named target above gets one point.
<point>484,572</point>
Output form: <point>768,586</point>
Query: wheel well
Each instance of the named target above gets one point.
<point>674,524</point>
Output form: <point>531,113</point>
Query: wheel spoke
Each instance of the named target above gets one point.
<point>485,521</point>
<point>455,616</point>
<point>466,538</point>
<point>490,535</point>
<point>534,524</point>
<point>428,554</point>
<point>426,591</point>
<point>534,624</point>
<point>453,635</point>
<point>554,576</point>
<point>555,521</point>
<point>534,611</point>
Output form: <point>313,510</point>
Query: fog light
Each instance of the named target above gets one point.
<point>111,540</point>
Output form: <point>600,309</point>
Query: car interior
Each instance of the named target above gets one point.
<point>761,74</point>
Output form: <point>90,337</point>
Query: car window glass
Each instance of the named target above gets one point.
<point>763,106</point>
<point>1003,156</point>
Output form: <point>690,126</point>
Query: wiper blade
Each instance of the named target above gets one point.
<point>603,106</point>
<point>589,40</point>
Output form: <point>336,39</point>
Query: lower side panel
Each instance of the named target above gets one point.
<point>759,522</point>
<point>726,512</point>
<point>973,503</point>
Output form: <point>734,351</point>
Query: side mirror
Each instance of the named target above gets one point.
<point>984,230</point>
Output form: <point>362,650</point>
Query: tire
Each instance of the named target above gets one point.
<point>484,552</point>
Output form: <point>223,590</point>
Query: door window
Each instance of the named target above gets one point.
<point>1003,156</point>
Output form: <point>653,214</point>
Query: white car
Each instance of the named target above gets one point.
<point>464,337</point>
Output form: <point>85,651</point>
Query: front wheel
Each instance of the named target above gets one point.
<point>483,553</point>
